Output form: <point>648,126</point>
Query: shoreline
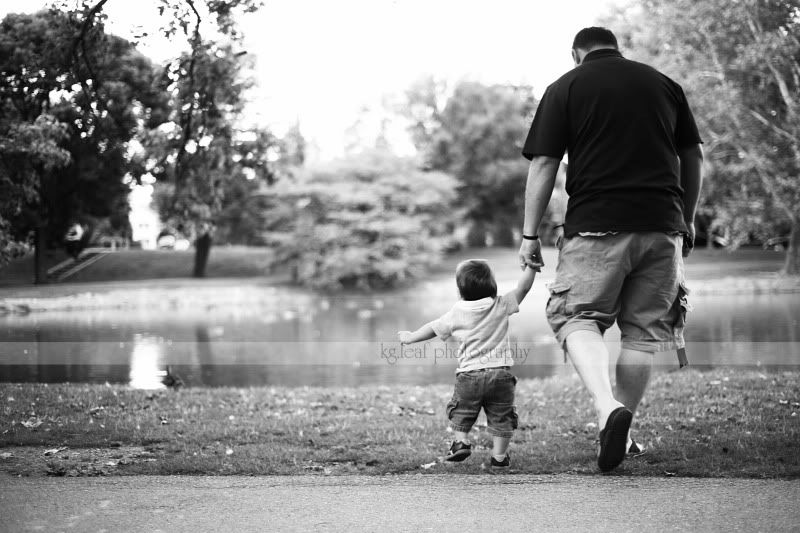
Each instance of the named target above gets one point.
<point>226,293</point>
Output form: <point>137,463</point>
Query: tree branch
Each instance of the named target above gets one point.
<point>80,40</point>
<point>187,117</point>
<point>780,131</point>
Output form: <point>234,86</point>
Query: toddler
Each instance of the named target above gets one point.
<point>480,322</point>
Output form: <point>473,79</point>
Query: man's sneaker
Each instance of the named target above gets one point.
<point>635,450</point>
<point>505,463</point>
<point>458,451</point>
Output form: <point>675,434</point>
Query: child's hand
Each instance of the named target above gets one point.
<point>404,337</point>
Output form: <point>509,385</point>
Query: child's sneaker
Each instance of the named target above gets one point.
<point>458,451</point>
<point>635,449</point>
<point>505,463</point>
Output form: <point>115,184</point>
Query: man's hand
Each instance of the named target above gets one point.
<point>559,233</point>
<point>530,255</point>
<point>688,239</point>
<point>404,337</point>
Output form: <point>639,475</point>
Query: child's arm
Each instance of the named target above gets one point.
<point>422,334</point>
<point>525,284</point>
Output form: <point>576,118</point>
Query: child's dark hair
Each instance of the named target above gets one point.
<point>475,280</point>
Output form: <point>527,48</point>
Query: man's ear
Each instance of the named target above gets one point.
<point>576,57</point>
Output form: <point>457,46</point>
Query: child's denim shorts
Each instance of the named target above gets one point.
<point>491,389</point>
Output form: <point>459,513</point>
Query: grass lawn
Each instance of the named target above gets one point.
<point>728,423</point>
<point>124,265</point>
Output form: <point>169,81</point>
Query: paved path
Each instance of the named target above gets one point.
<point>398,503</point>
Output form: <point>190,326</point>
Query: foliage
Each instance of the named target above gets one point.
<point>740,65</point>
<point>476,135</point>
<point>26,149</point>
<point>368,222</point>
<point>197,154</point>
<point>80,115</point>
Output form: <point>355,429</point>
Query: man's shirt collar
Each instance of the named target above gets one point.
<point>599,54</point>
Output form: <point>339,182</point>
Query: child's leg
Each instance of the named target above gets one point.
<point>462,436</point>
<point>499,447</point>
<point>501,416</point>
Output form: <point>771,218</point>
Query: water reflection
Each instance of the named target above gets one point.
<point>301,339</point>
<point>147,356</point>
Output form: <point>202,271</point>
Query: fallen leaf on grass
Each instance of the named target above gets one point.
<point>228,451</point>
<point>426,466</point>
<point>6,455</point>
<point>53,451</point>
<point>32,422</point>
<point>669,474</point>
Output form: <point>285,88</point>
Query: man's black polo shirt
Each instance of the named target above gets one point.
<point>621,123</point>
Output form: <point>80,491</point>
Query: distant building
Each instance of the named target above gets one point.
<point>145,223</point>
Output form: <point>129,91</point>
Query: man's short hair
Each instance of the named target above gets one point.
<point>475,280</point>
<point>594,36</point>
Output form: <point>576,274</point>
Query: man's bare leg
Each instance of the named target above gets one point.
<point>633,375</point>
<point>590,357</point>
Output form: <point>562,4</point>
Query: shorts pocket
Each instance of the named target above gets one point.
<point>682,306</point>
<point>451,406</point>
<point>557,302</point>
<point>514,418</point>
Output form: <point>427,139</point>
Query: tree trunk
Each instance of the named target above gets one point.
<point>202,248</point>
<point>792,265</point>
<point>476,237</point>
<point>40,254</point>
<point>503,235</point>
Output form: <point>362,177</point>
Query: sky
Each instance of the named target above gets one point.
<point>320,63</point>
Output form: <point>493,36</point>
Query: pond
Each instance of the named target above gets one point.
<point>298,338</point>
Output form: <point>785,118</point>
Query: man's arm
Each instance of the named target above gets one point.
<point>558,203</point>
<point>539,188</point>
<point>422,334</point>
<point>691,159</point>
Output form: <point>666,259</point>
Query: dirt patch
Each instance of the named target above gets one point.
<point>64,461</point>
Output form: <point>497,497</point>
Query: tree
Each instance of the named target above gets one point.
<point>476,135</point>
<point>371,221</point>
<point>218,161</point>
<point>740,65</point>
<point>27,150</point>
<point>89,111</point>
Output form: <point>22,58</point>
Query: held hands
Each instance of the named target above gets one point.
<point>404,337</point>
<point>530,255</point>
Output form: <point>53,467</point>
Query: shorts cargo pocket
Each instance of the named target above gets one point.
<point>514,418</point>
<point>681,307</point>
<point>557,303</point>
<point>451,406</point>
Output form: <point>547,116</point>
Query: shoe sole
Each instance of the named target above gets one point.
<point>614,440</point>
<point>458,456</point>
<point>631,455</point>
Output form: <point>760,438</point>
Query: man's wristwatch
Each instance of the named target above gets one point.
<point>530,237</point>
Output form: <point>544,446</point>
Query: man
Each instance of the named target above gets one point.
<point>633,181</point>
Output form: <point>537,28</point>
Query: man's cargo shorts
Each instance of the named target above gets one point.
<point>489,388</point>
<point>633,278</point>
